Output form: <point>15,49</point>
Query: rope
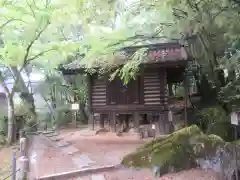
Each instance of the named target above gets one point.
<point>11,175</point>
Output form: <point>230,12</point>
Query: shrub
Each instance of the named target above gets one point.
<point>214,120</point>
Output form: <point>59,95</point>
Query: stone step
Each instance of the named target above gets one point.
<point>98,177</point>
<point>55,138</point>
<point>51,135</point>
<point>47,132</point>
<point>63,144</point>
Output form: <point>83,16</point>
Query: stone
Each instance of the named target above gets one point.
<point>51,134</point>
<point>55,138</point>
<point>48,132</point>
<point>172,152</point>
<point>63,144</point>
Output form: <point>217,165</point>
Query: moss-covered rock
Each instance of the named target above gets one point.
<point>175,152</point>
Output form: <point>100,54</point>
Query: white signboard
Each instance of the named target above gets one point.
<point>234,118</point>
<point>153,126</point>
<point>75,106</point>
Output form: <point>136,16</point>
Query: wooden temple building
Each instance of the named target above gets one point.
<point>144,97</point>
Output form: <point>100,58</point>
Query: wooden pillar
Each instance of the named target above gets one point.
<point>113,120</point>
<point>91,114</point>
<point>164,101</point>
<point>127,121</point>
<point>101,120</point>
<point>185,99</point>
<point>136,120</point>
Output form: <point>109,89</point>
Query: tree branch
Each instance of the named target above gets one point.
<point>47,2</point>
<point>8,21</point>
<point>220,11</point>
<point>61,31</point>
<point>39,54</point>
<point>30,6</point>
<point>25,59</point>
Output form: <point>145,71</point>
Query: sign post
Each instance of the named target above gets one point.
<point>75,108</point>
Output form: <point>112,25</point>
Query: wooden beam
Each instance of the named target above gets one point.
<point>185,100</point>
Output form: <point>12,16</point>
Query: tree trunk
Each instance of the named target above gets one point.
<point>11,137</point>
<point>25,94</point>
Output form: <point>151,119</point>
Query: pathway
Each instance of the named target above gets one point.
<point>53,153</point>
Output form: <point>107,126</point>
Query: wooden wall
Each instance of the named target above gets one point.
<point>152,88</point>
<point>152,85</point>
<point>98,92</point>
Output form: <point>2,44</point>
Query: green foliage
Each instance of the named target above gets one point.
<point>2,140</point>
<point>214,120</point>
<point>32,34</point>
<point>63,117</point>
<point>131,67</point>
